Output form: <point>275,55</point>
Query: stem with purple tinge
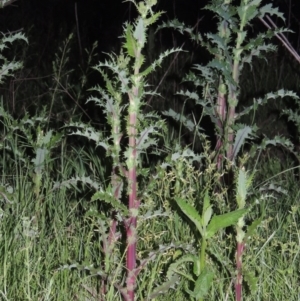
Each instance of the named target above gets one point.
<point>239,276</point>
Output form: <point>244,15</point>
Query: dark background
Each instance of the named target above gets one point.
<point>48,23</point>
<point>45,22</point>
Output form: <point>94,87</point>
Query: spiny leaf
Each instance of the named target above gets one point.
<point>255,51</point>
<point>187,154</point>
<point>273,188</point>
<point>7,69</point>
<point>219,41</point>
<point>109,85</point>
<point>154,214</point>
<point>248,12</point>
<point>83,267</point>
<point>273,95</point>
<point>130,45</point>
<point>163,288</point>
<point>277,140</point>
<point>153,18</point>
<point>253,227</point>
<point>188,123</point>
<point>224,12</point>
<point>268,9</point>
<point>73,182</point>
<point>11,38</point>
<point>90,133</point>
<point>184,259</point>
<point>241,136</point>
<point>107,197</point>
<point>251,280</point>
<point>177,25</point>
<point>144,140</point>
<point>158,61</point>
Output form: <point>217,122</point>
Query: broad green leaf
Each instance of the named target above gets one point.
<point>203,284</point>
<point>207,210</point>
<point>206,201</point>
<point>241,189</point>
<point>223,221</point>
<point>191,213</point>
<point>207,216</point>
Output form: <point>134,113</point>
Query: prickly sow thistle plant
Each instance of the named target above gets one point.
<point>231,48</point>
<point>9,66</point>
<point>121,100</point>
<point>218,81</point>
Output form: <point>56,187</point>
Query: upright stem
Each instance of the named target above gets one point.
<point>202,254</point>
<point>239,265</point>
<point>131,226</point>
<point>132,182</point>
<point>221,114</point>
<point>202,257</point>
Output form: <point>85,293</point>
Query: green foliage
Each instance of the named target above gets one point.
<point>219,222</point>
<point>207,224</point>
<point>231,49</point>
<point>202,284</point>
<point>64,209</point>
<point>9,67</point>
<point>121,101</point>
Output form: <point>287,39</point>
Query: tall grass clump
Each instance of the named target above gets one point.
<point>39,213</point>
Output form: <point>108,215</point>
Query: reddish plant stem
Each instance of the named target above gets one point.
<point>221,116</point>
<point>230,135</point>
<point>239,276</point>
<point>131,237</point>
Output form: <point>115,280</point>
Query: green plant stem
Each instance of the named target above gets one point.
<point>202,257</point>
<point>28,270</point>
<point>202,254</point>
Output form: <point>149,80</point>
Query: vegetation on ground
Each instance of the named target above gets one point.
<point>144,201</point>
